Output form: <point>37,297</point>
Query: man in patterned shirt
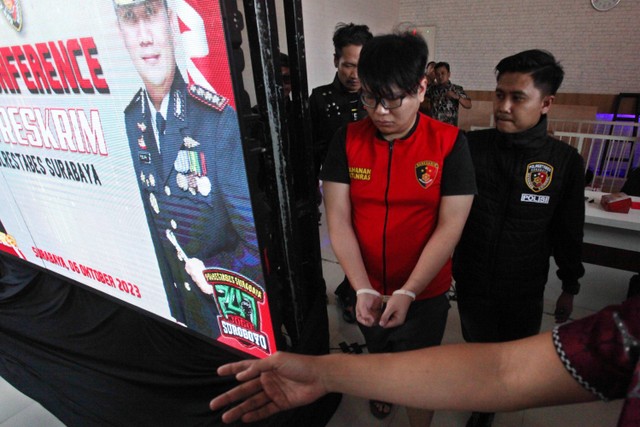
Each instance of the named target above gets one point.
<point>445,96</point>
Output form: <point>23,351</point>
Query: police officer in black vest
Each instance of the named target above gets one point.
<point>333,106</point>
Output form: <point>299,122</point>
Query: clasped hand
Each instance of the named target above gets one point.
<point>370,310</point>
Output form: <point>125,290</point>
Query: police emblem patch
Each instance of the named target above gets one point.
<point>12,11</point>
<point>426,173</point>
<point>239,301</point>
<point>538,176</point>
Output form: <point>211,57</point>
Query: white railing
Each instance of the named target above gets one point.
<point>608,157</point>
<point>600,127</point>
<point>609,148</point>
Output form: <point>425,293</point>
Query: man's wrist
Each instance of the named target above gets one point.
<point>330,368</point>
<point>368,291</point>
<point>405,292</point>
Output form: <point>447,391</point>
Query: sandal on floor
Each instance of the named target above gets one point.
<point>380,410</point>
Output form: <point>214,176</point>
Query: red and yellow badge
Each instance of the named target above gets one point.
<point>12,11</point>
<point>426,173</point>
<point>538,176</point>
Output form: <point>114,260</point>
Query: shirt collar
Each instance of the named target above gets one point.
<point>534,137</point>
<point>407,136</point>
<point>340,88</point>
<point>164,106</point>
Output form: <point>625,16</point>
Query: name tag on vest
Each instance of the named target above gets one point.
<point>534,198</point>
<point>145,158</point>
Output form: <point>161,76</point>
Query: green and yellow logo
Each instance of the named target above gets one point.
<point>238,299</point>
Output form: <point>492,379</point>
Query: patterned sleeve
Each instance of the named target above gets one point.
<point>460,91</point>
<point>601,351</point>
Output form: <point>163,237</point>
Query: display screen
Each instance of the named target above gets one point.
<point>121,161</point>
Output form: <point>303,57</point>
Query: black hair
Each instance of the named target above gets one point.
<point>393,60</point>
<point>349,34</point>
<point>443,64</point>
<point>284,60</point>
<point>546,72</point>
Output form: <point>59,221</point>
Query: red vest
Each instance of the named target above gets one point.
<point>395,198</point>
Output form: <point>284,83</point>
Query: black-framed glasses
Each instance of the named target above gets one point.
<point>372,101</point>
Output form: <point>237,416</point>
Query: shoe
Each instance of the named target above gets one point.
<point>380,410</point>
<point>481,419</point>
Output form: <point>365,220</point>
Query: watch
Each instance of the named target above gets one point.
<point>604,5</point>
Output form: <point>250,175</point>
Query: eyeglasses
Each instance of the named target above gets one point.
<point>372,101</point>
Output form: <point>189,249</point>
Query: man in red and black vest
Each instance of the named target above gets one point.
<point>398,187</point>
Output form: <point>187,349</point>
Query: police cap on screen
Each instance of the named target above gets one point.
<point>119,3</point>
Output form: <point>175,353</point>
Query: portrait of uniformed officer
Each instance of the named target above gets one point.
<point>187,154</point>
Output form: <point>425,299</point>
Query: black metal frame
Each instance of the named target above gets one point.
<point>278,149</point>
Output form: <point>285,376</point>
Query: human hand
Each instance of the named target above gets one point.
<point>451,94</point>
<point>368,309</point>
<point>194,268</point>
<point>564,307</point>
<point>277,383</point>
<point>396,311</point>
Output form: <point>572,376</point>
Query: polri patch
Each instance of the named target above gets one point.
<point>538,176</point>
<point>426,173</point>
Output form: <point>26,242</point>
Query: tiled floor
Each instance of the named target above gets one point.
<point>600,287</point>
<point>17,410</point>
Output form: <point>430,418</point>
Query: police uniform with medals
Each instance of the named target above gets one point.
<point>195,194</point>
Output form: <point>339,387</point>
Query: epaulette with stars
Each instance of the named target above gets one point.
<point>206,96</point>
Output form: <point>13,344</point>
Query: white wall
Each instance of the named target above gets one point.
<point>320,18</point>
<point>600,51</point>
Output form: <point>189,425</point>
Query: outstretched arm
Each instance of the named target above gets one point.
<point>485,377</point>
